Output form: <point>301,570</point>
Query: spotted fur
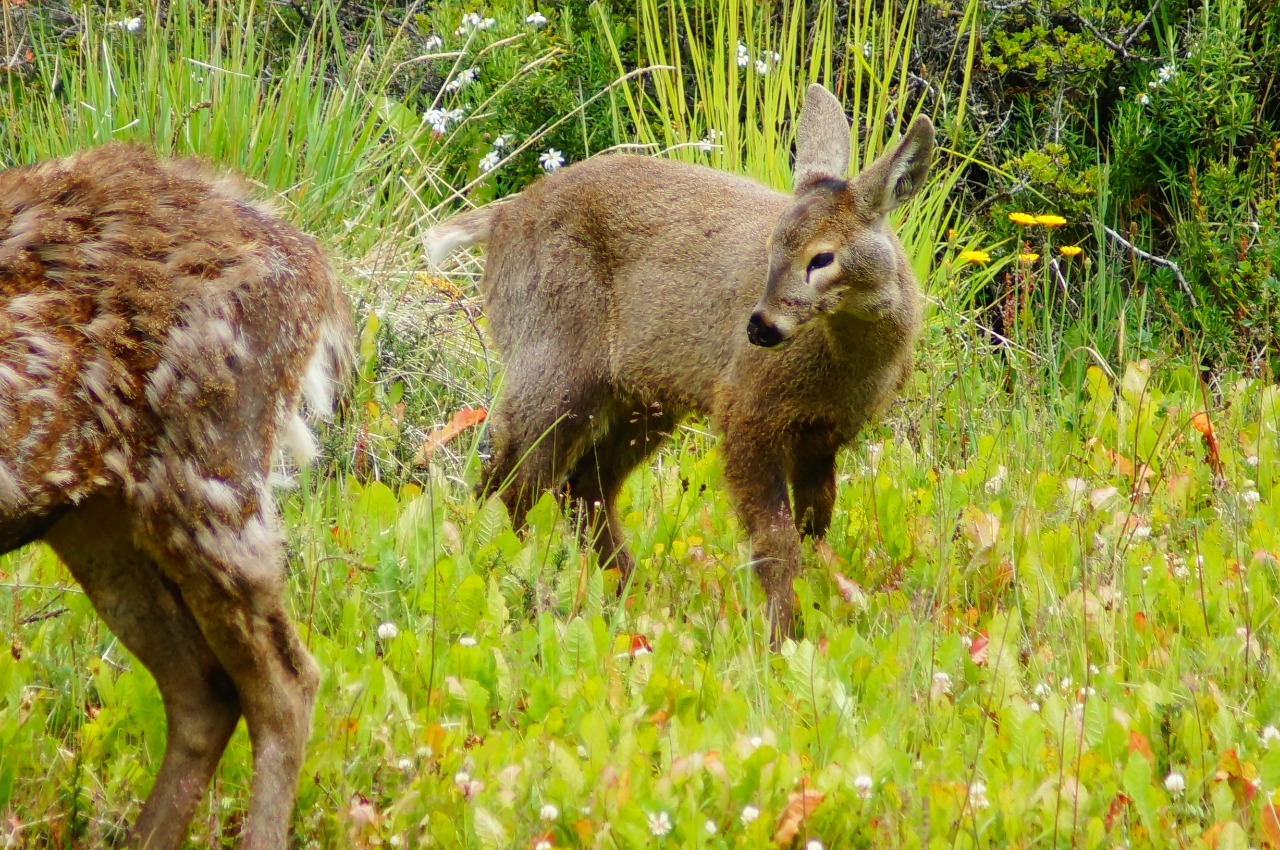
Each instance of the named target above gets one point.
<point>157,327</point>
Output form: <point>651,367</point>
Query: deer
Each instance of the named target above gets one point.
<point>626,292</point>
<point>165,339</point>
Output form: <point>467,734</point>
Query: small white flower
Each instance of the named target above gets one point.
<point>941,683</point>
<point>761,67</point>
<point>462,779</point>
<point>543,844</point>
<point>438,119</point>
<point>466,640</point>
<point>464,79</point>
<point>750,814</point>
<point>500,143</point>
<point>710,827</point>
<point>1269,734</point>
<point>744,59</point>
<point>1143,99</point>
<point>395,841</point>
<point>490,161</point>
<point>387,631</point>
<point>1251,460</point>
<point>426,753</point>
<point>660,824</point>
<point>132,25</point>
<point>978,795</point>
<point>433,42</point>
<point>1041,690</point>
<point>405,764</point>
<point>1166,73</point>
<point>537,19</point>
<point>582,752</point>
<point>756,742</point>
<point>773,57</point>
<point>551,159</point>
<point>814,844</point>
<point>1035,707</point>
<point>1175,783</point>
<point>866,49</point>
<point>1066,683</point>
<point>708,142</point>
<point>1251,497</point>
<point>863,784</point>
<point>549,812</point>
<point>1093,670</point>
<point>1153,85</point>
<point>486,23</point>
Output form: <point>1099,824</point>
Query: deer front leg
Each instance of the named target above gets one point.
<point>813,483</point>
<point>755,474</point>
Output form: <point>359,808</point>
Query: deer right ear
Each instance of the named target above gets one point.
<point>822,138</point>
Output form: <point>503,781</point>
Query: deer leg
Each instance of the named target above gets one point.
<point>540,425</point>
<point>230,576</point>
<point>813,486</point>
<point>755,474</point>
<point>598,476</point>
<point>146,612</point>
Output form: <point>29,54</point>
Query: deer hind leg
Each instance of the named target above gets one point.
<point>755,471</point>
<point>598,476</point>
<point>540,425</point>
<point>813,485</point>
<point>147,613</point>
<point>230,575</point>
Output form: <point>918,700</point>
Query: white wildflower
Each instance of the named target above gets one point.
<point>438,119</point>
<point>750,814</point>
<point>537,19</point>
<point>466,640</point>
<point>660,824</point>
<point>708,142</point>
<point>1041,690</point>
<point>1166,73</point>
<point>490,161</point>
<point>941,683</point>
<point>744,59</point>
<point>544,844</point>
<point>1251,497</point>
<point>500,143</point>
<point>583,753</point>
<point>756,742</point>
<point>863,784</point>
<point>1251,460</point>
<point>433,42</point>
<point>1093,670</point>
<point>978,795</point>
<point>395,841</point>
<point>1035,707</point>
<point>472,21</point>
<point>814,844</point>
<point>1143,99</point>
<point>405,764</point>
<point>549,812</point>
<point>761,67</point>
<point>710,827</point>
<point>1269,734</point>
<point>551,159</point>
<point>461,778</point>
<point>130,24</point>
<point>464,79</point>
<point>1153,85</point>
<point>1175,783</point>
<point>387,631</point>
<point>866,49</point>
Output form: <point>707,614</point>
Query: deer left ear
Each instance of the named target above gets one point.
<point>892,179</point>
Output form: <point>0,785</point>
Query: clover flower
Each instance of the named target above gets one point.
<point>978,795</point>
<point>1175,783</point>
<point>863,784</point>
<point>660,824</point>
<point>388,630</point>
<point>549,812</point>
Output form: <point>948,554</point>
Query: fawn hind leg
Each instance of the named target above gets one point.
<point>813,485</point>
<point>540,424</point>
<point>147,613</point>
<point>230,574</point>
<point>597,478</point>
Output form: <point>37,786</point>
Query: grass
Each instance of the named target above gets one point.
<point>1044,615</point>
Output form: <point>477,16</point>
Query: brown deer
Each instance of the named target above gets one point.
<point>158,331</point>
<point>627,291</point>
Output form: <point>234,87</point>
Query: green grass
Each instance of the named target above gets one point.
<point>1038,588</point>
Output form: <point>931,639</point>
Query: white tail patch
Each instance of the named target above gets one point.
<point>459,232</point>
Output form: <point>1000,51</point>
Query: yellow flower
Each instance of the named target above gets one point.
<point>1029,257</point>
<point>1070,250</point>
<point>1025,219</point>
<point>1051,220</point>
<point>977,257</point>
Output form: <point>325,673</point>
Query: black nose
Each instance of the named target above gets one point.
<point>761,333</point>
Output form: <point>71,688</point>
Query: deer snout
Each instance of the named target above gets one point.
<point>762,332</point>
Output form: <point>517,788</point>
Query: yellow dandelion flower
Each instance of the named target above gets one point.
<point>1029,257</point>
<point>1051,220</point>
<point>976,257</point>
<point>1024,219</point>
<point>1070,250</point>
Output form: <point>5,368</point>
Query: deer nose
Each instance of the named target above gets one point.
<point>761,332</point>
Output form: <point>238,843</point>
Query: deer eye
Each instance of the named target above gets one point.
<point>821,261</point>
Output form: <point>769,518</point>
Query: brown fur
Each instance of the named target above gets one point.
<point>156,331</point>
<point>623,292</point>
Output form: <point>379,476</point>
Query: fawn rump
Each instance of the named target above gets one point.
<point>626,292</point>
<point>158,331</point>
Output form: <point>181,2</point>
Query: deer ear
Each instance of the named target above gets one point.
<point>893,178</point>
<point>822,137</point>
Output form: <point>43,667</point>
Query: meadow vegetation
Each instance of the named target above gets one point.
<point>1045,613</point>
